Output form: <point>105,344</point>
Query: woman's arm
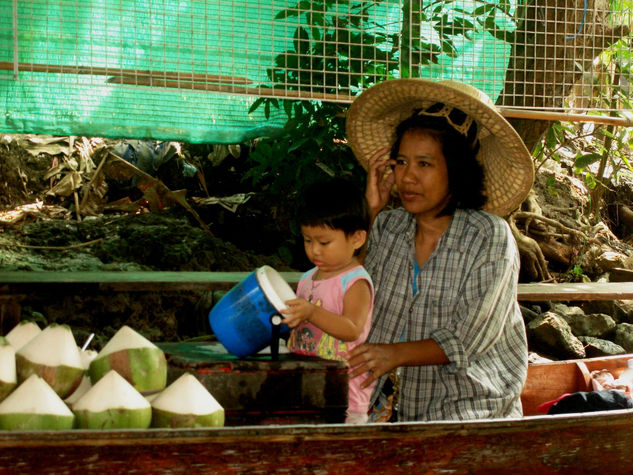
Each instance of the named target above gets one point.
<point>378,359</point>
<point>346,327</point>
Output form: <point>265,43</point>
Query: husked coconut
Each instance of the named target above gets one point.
<point>8,376</point>
<point>53,355</point>
<point>134,357</point>
<point>186,403</point>
<point>151,397</point>
<point>86,357</point>
<point>35,406</point>
<point>112,403</point>
<point>22,333</point>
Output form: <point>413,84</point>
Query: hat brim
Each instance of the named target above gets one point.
<point>508,168</point>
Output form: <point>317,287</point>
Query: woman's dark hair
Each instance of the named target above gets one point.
<point>336,203</point>
<point>465,173</point>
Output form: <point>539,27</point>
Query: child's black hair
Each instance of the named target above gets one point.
<point>336,203</point>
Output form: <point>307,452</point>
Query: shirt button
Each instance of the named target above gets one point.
<point>411,309</point>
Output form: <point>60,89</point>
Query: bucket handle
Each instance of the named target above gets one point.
<point>275,321</point>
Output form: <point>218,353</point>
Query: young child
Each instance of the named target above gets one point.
<point>332,314</point>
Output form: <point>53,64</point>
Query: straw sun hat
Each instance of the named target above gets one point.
<point>374,115</point>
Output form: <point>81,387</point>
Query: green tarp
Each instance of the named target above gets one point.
<point>81,67</point>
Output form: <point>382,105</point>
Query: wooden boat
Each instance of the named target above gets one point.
<point>277,442</point>
<point>588,442</point>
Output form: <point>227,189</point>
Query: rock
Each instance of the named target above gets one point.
<point>624,336</point>
<point>595,347</point>
<point>610,260</point>
<point>553,334</point>
<point>566,310</point>
<point>597,325</point>
<point>620,310</point>
<point>528,314</point>
<point>534,357</point>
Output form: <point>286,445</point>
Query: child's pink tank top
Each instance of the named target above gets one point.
<point>306,339</point>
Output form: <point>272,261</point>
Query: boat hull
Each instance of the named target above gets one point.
<point>571,443</point>
<point>542,444</point>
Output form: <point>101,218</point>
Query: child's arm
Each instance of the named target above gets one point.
<point>346,327</point>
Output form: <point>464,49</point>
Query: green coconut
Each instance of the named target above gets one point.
<point>53,355</point>
<point>8,375</point>
<point>22,333</point>
<point>135,358</point>
<point>186,403</point>
<point>112,403</point>
<point>35,406</point>
<point>86,357</point>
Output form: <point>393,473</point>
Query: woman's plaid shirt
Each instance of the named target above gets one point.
<point>467,303</point>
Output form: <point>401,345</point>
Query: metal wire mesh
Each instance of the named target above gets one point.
<point>91,61</point>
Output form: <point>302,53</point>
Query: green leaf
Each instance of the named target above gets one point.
<point>255,105</point>
<point>552,185</point>
<point>284,253</point>
<point>288,13</point>
<point>499,33</point>
<point>583,161</point>
<point>482,10</point>
<point>550,138</point>
<point>298,144</point>
<point>590,181</point>
<point>288,108</point>
<point>301,41</point>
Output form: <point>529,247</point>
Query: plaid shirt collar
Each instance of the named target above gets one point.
<point>452,237</point>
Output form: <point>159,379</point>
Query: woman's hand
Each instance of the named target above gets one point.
<point>297,311</point>
<point>380,180</point>
<point>374,359</point>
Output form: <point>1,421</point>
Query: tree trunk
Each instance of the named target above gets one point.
<point>554,45</point>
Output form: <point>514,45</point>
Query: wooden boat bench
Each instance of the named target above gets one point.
<point>15,286</point>
<point>258,390</point>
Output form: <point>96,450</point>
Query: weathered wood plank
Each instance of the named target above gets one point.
<point>576,291</point>
<point>12,282</point>
<point>131,281</point>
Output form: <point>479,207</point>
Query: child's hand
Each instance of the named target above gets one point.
<point>297,311</point>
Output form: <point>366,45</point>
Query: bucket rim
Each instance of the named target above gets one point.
<point>265,276</point>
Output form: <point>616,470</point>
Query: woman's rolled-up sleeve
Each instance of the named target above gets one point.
<point>487,299</point>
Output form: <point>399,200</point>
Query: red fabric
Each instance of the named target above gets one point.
<point>544,408</point>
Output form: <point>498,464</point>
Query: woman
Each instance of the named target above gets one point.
<point>445,265</point>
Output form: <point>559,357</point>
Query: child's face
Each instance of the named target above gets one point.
<point>330,249</point>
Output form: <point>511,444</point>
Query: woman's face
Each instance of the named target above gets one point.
<point>421,174</point>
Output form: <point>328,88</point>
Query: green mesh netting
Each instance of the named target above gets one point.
<point>189,71</point>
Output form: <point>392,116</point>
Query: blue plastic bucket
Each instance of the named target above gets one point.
<point>241,320</point>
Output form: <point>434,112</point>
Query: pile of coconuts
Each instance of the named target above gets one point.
<point>48,383</point>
